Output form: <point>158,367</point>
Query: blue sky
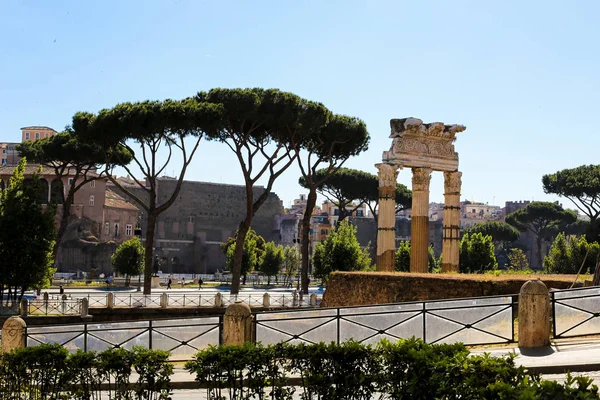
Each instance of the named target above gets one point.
<point>522,76</point>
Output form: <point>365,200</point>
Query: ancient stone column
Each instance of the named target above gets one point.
<point>386,218</point>
<point>419,232</point>
<point>451,227</point>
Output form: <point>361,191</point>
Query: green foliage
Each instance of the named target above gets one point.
<point>291,260</point>
<point>48,371</point>
<point>402,258</point>
<point>26,236</point>
<point>581,185</point>
<point>477,254</point>
<point>406,369</point>
<point>347,186</point>
<point>254,247</point>
<point>128,259</point>
<point>568,253</point>
<point>340,252</point>
<point>517,260</point>
<point>272,260</point>
<point>499,231</point>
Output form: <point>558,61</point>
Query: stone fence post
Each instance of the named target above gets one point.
<point>24,307</point>
<point>218,300</point>
<point>85,309</point>
<point>164,300</point>
<point>313,300</point>
<point>13,334</point>
<point>266,300</point>
<point>237,324</point>
<point>110,300</point>
<point>534,315</point>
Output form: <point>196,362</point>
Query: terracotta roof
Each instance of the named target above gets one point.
<point>38,127</point>
<point>113,200</point>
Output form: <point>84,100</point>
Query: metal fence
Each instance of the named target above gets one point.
<point>473,321</point>
<point>182,337</point>
<point>576,312</point>
<point>54,307</point>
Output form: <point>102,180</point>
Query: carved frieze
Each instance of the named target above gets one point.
<point>421,178</point>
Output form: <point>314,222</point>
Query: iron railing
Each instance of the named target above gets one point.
<point>473,321</point>
<point>182,337</point>
<point>54,307</point>
<point>575,312</point>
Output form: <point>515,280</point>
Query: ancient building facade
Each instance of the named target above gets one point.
<point>204,215</point>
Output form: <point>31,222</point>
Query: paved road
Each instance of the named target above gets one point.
<point>208,290</point>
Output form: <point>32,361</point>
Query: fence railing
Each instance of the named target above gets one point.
<point>182,337</point>
<point>473,321</point>
<point>576,312</point>
<point>54,307</point>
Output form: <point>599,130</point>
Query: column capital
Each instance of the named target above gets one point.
<point>388,174</point>
<point>452,182</point>
<point>421,178</point>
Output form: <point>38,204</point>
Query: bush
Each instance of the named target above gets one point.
<point>402,258</point>
<point>477,254</point>
<point>568,253</point>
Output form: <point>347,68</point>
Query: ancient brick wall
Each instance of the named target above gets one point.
<point>189,233</point>
<point>362,288</point>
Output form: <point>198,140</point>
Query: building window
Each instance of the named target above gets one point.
<point>116,231</point>
<point>93,184</point>
<point>128,229</point>
<point>92,200</point>
<point>3,151</point>
<point>37,135</point>
<point>359,213</point>
<point>26,135</point>
<point>107,228</point>
<point>4,161</point>
<point>70,181</point>
<point>191,218</point>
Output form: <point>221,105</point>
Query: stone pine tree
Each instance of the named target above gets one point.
<point>340,138</point>
<point>291,260</point>
<point>26,237</point>
<point>262,127</point>
<point>128,259</point>
<point>581,186</point>
<point>540,218</point>
<point>349,189</point>
<point>158,131</point>
<point>68,156</point>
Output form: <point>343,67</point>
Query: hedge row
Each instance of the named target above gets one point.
<point>408,369</point>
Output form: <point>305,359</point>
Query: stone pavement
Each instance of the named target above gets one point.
<point>575,355</point>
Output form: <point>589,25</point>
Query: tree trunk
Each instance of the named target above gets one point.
<point>538,245</point>
<point>310,205</point>
<point>236,271</point>
<point>149,251</point>
<point>62,228</point>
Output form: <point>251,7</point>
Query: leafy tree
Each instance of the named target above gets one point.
<point>252,252</point>
<point>152,126</point>
<point>567,255</point>
<point>262,128</point>
<point>340,252</point>
<point>26,236</point>
<point>128,259</point>
<point>517,260</point>
<point>272,260</point>
<point>332,145</point>
<point>477,254</point>
<point>291,260</point>
<point>540,218</point>
<point>402,259</point>
<point>71,157</point>
<point>581,186</point>
<point>350,186</point>
<point>499,231</point>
